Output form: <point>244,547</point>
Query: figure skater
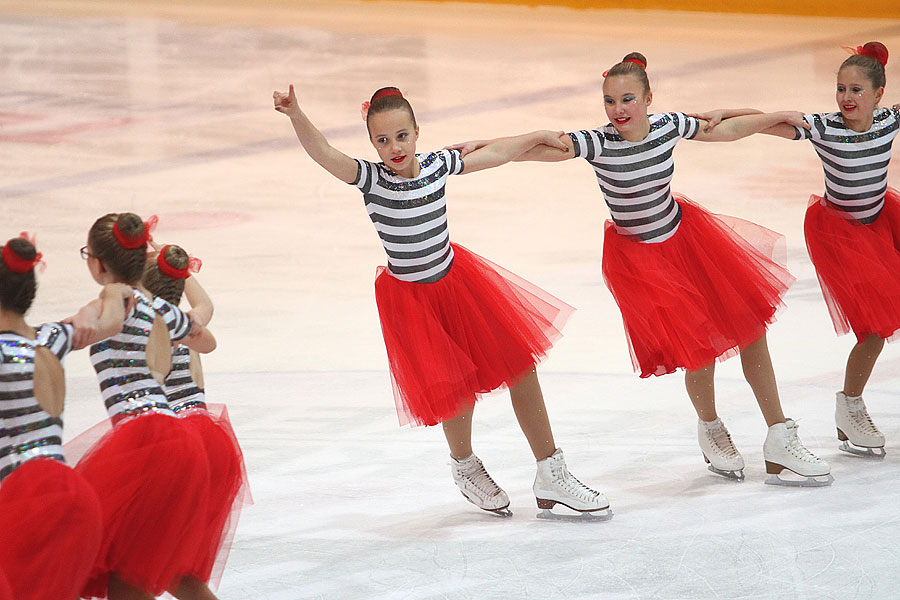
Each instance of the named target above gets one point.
<point>49,515</point>
<point>168,275</point>
<point>853,230</point>
<point>151,471</point>
<point>693,287</point>
<point>455,325</point>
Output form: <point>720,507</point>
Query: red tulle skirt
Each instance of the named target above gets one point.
<point>152,477</point>
<point>476,330</point>
<point>858,267</point>
<point>50,527</point>
<point>228,485</point>
<point>700,296</point>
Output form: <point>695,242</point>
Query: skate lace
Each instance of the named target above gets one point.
<point>721,439</point>
<point>481,480</point>
<point>796,447</point>
<point>861,419</point>
<point>571,484</point>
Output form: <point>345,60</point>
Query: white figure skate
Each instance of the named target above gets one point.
<point>855,428</point>
<point>784,451</point>
<point>719,451</point>
<point>554,485</point>
<point>477,486</point>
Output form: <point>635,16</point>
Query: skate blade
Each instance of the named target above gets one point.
<point>811,481</point>
<point>877,453</point>
<point>500,512</point>
<point>576,516</point>
<point>733,475</point>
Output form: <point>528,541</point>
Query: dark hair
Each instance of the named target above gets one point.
<point>872,58</point>
<point>633,64</point>
<point>17,290</point>
<point>389,98</point>
<point>126,264</point>
<point>160,284</point>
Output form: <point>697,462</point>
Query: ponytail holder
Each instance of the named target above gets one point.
<point>130,243</point>
<point>387,92</point>
<point>165,268</point>
<point>873,52</point>
<point>16,263</point>
<point>364,110</point>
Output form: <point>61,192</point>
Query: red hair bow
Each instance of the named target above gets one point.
<point>16,263</point>
<point>165,268</point>
<point>130,243</point>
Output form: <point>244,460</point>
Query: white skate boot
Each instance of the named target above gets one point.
<point>554,485</point>
<point>478,487</point>
<point>719,451</point>
<point>784,451</point>
<point>856,429</point>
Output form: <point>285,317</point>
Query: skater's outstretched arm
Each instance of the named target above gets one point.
<point>553,149</point>
<point>494,153</point>
<point>714,117</point>
<point>737,127</point>
<point>332,160</point>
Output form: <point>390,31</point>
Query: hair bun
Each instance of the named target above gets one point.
<point>875,50</point>
<point>386,91</point>
<point>636,58</point>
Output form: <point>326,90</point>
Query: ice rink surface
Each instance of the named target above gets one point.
<point>166,109</point>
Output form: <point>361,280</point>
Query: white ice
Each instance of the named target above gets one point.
<point>166,108</point>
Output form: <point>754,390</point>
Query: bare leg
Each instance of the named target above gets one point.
<point>458,432</point>
<point>860,364</point>
<point>528,404</point>
<point>760,374</point>
<point>191,588</point>
<point>119,590</point>
<point>701,388</point>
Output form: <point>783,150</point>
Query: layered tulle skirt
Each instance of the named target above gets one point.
<point>858,267</point>
<point>50,532</point>
<point>702,295</point>
<point>229,489</point>
<point>151,474</point>
<point>476,330</point>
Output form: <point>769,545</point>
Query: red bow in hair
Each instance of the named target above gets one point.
<point>875,50</point>
<point>16,263</point>
<point>364,110</point>
<point>130,243</point>
<point>165,268</point>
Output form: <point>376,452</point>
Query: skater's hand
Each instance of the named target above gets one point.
<point>552,139</point>
<point>85,323</point>
<point>120,290</point>
<point>287,103</point>
<point>712,118</point>
<point>897,107</point>
<point>795,118</point>
<point>467,147</point>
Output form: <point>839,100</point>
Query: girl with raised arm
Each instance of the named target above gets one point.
<point>693,287</point>
<point>455,325</point>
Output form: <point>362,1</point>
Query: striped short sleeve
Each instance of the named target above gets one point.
<point>177,321</point>
<point>801,133</point>
<point>56,337</point>
<point>453,160</point>
<point>588,144</point>
<point>688,127</point>
<point>366,175</point>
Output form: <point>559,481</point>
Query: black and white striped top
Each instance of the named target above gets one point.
<point>181,391</point>
<point>126,384</point>
<point>26,430</point>
<point>635,176</point>
<point>855,164</point>
<point>410,215</point>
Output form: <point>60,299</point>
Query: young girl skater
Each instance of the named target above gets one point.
<point>853,231</point>
<point>168,275</point>
<point>150,499</point>
<point>50,521</point>
<point>455,325</point>
<point>691,289</point>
